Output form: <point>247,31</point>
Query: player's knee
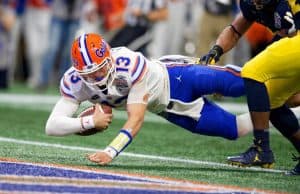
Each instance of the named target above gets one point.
<point>285,121</point>
<point>257,96</point>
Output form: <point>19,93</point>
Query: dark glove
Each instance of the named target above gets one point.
<point>289,18</point>
<point>212,56</point>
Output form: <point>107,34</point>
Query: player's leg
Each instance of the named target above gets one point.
<point>217,121</point>
<point>287,123</point>
<point>228,81</point>
<point>245,125</point>
<point>212,120</point>
<point>280,60</point>
<point>189,82</point>
<point>259,154</point>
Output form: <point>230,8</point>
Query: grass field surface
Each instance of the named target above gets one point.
<point>160,149</point>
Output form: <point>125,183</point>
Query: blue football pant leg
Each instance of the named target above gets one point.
<point>188,83</point>
<point>214,121</point>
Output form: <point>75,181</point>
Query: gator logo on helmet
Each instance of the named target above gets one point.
<point>101,51</point>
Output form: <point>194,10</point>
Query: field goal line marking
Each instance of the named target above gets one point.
<point>162,158</point>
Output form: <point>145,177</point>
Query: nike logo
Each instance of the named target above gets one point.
<point>178,78</point>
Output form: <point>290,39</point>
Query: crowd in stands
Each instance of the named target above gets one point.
<point>36,35</point>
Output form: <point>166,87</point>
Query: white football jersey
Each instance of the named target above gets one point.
<point>137,80</point>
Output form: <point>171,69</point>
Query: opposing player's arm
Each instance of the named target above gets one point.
<point>227,39</point>
<point>232,33</point>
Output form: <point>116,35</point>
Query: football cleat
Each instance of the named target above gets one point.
<point>296,170</point>
<point>254,156</point>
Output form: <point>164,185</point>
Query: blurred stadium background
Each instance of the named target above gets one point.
<point>27,94</point>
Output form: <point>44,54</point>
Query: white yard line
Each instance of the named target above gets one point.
<point>162,158</point>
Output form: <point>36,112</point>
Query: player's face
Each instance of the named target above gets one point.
<point>99,76</point>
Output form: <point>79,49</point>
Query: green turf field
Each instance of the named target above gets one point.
<point>185,155</point>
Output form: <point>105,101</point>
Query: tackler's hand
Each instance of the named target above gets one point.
<point>212,56</point>
<point>289,18</point>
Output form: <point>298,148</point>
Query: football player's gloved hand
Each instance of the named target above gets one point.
<point>212,56</point>
<point>289,18</point>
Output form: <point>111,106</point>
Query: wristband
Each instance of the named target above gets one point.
<point>111,151</point>
<point>87,122</point>
<point>123,139</point>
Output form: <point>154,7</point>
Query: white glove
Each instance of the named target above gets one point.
<point>289,18</point>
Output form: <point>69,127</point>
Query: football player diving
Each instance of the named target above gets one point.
<point>171,87</point>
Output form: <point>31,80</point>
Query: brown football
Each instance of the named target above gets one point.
<point>89,111</point>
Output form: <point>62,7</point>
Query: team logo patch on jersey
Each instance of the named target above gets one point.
<point>121,84</point>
